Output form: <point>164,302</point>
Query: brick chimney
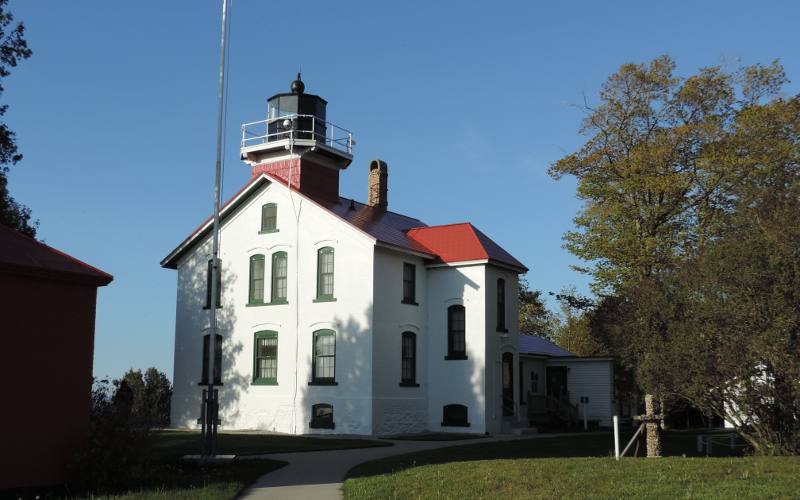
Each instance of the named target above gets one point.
<point>378,184</point>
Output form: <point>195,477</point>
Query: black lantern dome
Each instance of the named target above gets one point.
<point>304,113</point>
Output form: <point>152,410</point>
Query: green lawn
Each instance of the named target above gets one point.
<point>168,477</point>
<point>539,468</point>
<point>672,477</point>
<point>171,445</point>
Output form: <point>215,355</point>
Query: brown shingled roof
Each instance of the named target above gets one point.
<point>23,255</point>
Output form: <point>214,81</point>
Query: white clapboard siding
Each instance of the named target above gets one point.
<point>592,378</point>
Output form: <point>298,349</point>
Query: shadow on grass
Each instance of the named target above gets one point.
<point>186,480</point>
<point>575,445</point>
<point>171,445</point>
<point>435,436</point>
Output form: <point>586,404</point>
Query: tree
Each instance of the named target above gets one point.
<point>13,48</point>
<point>158,394</point>
<point>572,330</point>
<point>534,317</point>
<point>723,331</point>
<point>652,176</point>
<point>151,395</point>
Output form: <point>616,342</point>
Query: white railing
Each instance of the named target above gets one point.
<point>297,127</point>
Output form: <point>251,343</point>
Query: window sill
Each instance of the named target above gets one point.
<point>446,424</point>
<point>259,304</point>
<point>314,425</point>
<point>206,308</point>
<point>268,231</point>
<point>205,384</point>
<point>324,299</point>
<point>265,381</point>
<point>323,382</point>
<point>502,329</point>
<point>456,357</point>
<point>409,302</point>
<point>408,384</point>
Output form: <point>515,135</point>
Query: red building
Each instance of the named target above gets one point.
<point>47,316</point>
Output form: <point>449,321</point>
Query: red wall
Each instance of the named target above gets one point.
<point>47,339</point>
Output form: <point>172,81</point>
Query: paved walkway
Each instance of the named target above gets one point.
<point>319,474</point>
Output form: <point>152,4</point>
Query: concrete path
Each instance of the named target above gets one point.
<point>319,474</point>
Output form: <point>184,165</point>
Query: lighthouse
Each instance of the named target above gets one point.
<point>296,143</point>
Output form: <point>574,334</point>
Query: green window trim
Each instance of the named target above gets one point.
<point>280,279</point>
<point>408,360</point>
<point>456,333</point>
<point>208,285</point>
<point>409,284</point>
<point>217,360</point>
<point>265,358</point>
<point>501,305</point>
<point>323,358</point>
<point>325,274</point>
<point>256,288</point>
<point>269,218</point>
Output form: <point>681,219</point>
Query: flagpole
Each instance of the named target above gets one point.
<point>210,417</point>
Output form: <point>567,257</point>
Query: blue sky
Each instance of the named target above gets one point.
<point>467,102</point>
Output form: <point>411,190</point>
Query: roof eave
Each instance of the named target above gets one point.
<point>171,260</point>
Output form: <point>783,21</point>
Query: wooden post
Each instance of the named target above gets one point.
<point>616,437</point>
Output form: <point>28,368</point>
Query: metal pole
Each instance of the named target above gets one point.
<point>210,427</point>
<point>616,437</point>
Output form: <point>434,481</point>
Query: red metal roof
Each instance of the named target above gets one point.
<point>461,242</point>
<point>390,228</point>
<point>23,255</point>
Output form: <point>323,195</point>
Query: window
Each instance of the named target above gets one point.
<point>521,384</point>
<point>409,283</point>
<point>217,361</point>
<point>534,382</point>
<point>408,360</point>
<point>269,218</point>
<point>256,279</point>
<point>279,272</point>
<point>265,358</point>
<point>321,416</point>
<point>325,274</point>
<point>456,345</point>
<point>454,416</point>
<point>323,370</point>
<point>208,285</point>
<point>501,305</point>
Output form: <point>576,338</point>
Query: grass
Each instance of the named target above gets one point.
<point>192,481</point>
<point>539,468</point>
<point>171,444</point>
<point>168,477</point>
<point>435,436</point>
<point>588,478</point>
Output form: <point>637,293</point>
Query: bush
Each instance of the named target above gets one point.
<point>118,450</point>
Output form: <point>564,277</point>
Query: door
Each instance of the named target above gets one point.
<point>508,384</point>
<point>557,382</point>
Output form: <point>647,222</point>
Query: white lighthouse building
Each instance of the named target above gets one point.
<point>339,316</point>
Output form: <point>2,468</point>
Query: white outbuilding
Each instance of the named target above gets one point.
<point>554,379</point>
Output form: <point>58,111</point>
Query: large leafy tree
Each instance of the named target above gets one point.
<point>723,331</point>
<point>13,48</point>
<point>650,189</point>
<point>657,175</point>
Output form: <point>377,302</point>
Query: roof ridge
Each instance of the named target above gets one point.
<point>467,223</point>
<point>386,211</point>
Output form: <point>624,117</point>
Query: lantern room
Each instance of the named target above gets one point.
<point>296,121</point>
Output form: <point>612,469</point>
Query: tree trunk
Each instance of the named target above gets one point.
<point>653,432</point>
